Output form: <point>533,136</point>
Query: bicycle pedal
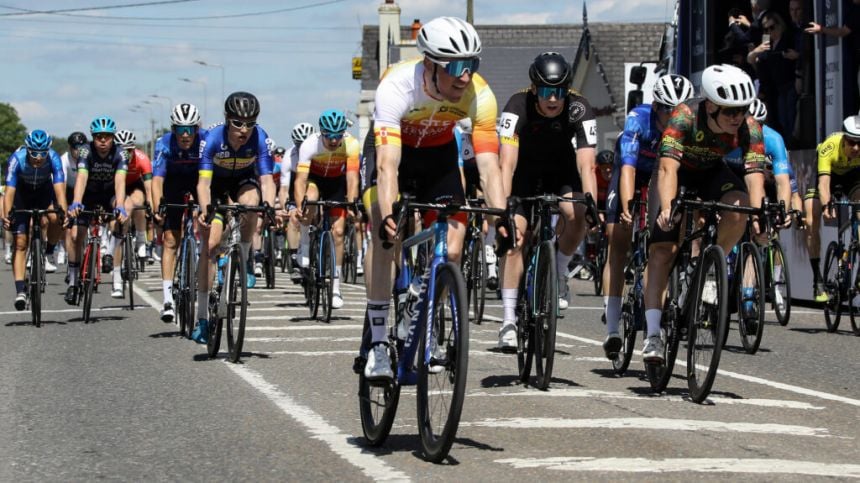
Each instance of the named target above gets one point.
<point>358,364</point>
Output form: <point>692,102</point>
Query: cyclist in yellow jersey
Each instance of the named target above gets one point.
<point>838,165</point>
<point>328,170</point>
<point>417,104</point>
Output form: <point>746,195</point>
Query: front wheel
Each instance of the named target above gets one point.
<point>236,291</point>
<point>706,319</point>
<point>35,279</point>
<point>659,375</point>
<point>443,363</point>
<point>750,297</point>
<point>377,401</point>
<point>327,275</point>
<point>269,258</point>
<point>128,262</point>
<point>631,310</point>
<point>476,285</point>
<point>781,283</point>
<point>544,310</point>
<point>833,287</point>
<point>90,279</point>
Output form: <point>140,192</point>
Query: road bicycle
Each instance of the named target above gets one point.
<point>90,277</point>
<point>841,278</point>
<point>429,342</point>
<point>185,268</point>
<point>35,275</point>
<point>632,298</point>
<point>132,265</point>
<point>320,273</point>
<point>474,264</point>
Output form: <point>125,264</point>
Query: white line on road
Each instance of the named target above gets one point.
<point>663,424</point>
<point>308,327</point>
<point>701,465</point>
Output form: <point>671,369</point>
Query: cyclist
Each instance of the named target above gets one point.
<point>702,140</point>
<point>100,182</point>
<point>838,165</point>
<point>138,189</point>
<point>636,156</point>
<point>299,133</point>
<point>328,170</point>
<point>277,157</point>
<point>76,141</point>
<point>417,104</point>
<point>35,181</point>
<point>548,135</point>
<point>235,166</point>
<point>174,174</point>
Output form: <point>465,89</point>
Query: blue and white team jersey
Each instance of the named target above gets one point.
<point>777,154</point>
<point>219,160</point>
<point>22,174</point>
<point>174,162</point>
<point>639,144</point>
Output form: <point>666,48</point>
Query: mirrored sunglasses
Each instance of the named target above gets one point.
<point>458,67</point>
<point>546,92</point>
<point>183,130</point>
<point>242,124</point>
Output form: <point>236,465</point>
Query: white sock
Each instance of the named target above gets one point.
<point>336,285</point>
<point>509,304</point>
<point>117,277</point>
<point>304,241</point>
<point>111,246</point>
<point>652,318</point>
<point>140,238</point>
<point>203,304</point>
<point>561,261</point>
<point>377,311</point>
<point>613,312</point>
<point>167,289</point>
<point>73,275</point>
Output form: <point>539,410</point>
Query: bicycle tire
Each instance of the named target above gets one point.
<point>832,276</point>
<point>269,259</point>
<point>89,279</point>
<point>544,310</point>
<point>853,293</point>
<point>659,375</point>
<point>783,282</point>
<point>327,267</point>
<point>178,294</point>
<point>373,397</point>
<point>312,280</point>
<point>706,324</point>
<point>476,288</point>
<point>236,287</point>
<point>750,328</point>
<point>631,308</point>
<point>35,279</point>
<point>437,421</point>
<point>213,342</point>
<point>599,263</point>
<point>130,267</point>
<point>189,287</point>
<point>525,331</point>
<point>348,266</point>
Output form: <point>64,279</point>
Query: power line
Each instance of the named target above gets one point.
<point>208,40</point>
<point>25,11</point>
<point>184,27</point>
<point>184,19</point>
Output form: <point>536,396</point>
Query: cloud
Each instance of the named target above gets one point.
<point>30,111</point>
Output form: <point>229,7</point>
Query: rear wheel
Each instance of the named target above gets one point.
<point>706,319</point>
<point>854,296</point>
<point>833,287</point>
<point>443,363</point>
<point>348,270</point>
<point>780,282</point>
<point>599,263</point>
<point>269,258</point>
<point>659,375</point>
<point>750,297</point>
<point>236,291</point>
<point>213,342</point>
<point>312,283</point>
<point>477,275</point>
<point>631,309</point>
<point>544,309</point>
<point>377,402</point>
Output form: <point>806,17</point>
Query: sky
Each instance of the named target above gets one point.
<point>61,70</point>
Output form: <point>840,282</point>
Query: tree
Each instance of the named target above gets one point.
<point>12,132</point>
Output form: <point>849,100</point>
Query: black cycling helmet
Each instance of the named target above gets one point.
<point>241,104</point>
<point>279,151</point>
<point>550,69</point>
<point>77,138</point>
<point>605,157</point>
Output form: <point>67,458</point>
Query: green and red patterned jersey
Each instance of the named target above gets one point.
<point>688,140</point>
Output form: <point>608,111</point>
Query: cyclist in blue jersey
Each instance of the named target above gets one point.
<point>778,180</point>
<point>100,182</point>
<point>277,156</point>
<point>35,180</point>
<point>635,157</point>
<point>236,167</point>
<point>174,173</point>
<point>299,133</point>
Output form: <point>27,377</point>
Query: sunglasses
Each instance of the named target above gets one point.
<point>189,130</point>
<point>333,136</point>
<point>734,111</point>
<point>851,141</point>
<point>664,108</point>
<point>102,136</point>
<point>547,92</point>
<point>242,124</point>
<point>37,154</point>
<point>458,67</point>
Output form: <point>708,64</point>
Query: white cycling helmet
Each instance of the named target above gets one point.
<point>125,138</point>
<point>672,89</point>
<point>758,110</point>
<point>727,86</point>
<point>851,127</point>
<point>448,38</point>
<point>301,131</point>
<point>185,115</point>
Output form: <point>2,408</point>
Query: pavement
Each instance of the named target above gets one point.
<point>125,398</point>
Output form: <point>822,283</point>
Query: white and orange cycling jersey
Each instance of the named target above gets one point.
<point>315,159</point>
<point>405,114</point>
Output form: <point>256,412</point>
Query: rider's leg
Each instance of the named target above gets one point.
<point>19,262</point>
<point>312,194</point>
<point>137,200</point>
<point>456,237</point>
<point>337,230</point>
<point>619,236</point>
<point>512,272</point>
<point>573,230</point>
<point>661,255</point>
<point>379,263</point>
<point>812,207</point>
<point>732,225</point>
<point>248,195</point>
<point>168,263</point>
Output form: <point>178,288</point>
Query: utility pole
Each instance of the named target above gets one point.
<point>152,138</point>
<point>470,12</point>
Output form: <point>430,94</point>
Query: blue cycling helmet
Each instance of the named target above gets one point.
<point>333,121</point>
<point>38,140</point>
<point>103,124</point>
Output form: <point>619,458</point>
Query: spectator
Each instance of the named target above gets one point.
<point>803,46</point>
<point>775,60</point>
<point>850,29</point>
<point>751,28</point>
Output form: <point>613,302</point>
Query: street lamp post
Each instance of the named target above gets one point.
<point>218,66</point>
<point>170,104</point>
<point>160,107</point>
<point>185,79</point>
<point>151,127</point>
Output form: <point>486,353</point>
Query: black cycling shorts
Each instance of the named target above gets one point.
<point>28,197</point>
<point>227,189</point>
<point>613,209</point>
<point>174,193</point>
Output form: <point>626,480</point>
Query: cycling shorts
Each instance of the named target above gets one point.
<point>613,198</point>
<point>174,193</point>
<point>330,189</point>
<point>92,200</point>
<point>224,190</point>
<point>28,197</point>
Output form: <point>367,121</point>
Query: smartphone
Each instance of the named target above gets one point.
<point>765,38</point>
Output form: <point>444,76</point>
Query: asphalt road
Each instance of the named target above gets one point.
<point>125,398</point>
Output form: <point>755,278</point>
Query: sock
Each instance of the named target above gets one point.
<point>490,237</point>
<point>202,305</point>
<point>652,318</point>
<point>613,313</point>
<point>377,311</point>
<point>304,241</point>
<point>336,284</point>
<point>49,249</point>
<point>167,289</point>
<point>509,304</point>
<point>258,256</point>
<point>815,263</point>
<point>111,246</point>
<point>140,238</point>
<point>117,277</point>
<point>20,286</point>
<point>561,262</point>
<point>73,273</point>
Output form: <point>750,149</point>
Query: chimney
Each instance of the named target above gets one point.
<point>389,32</point>
<point>416,26</point>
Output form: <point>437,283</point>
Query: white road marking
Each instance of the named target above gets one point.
<point>661,424</point>
<point>302,339</point>
<point>307,327</point>
<point>308,353</point>
<point>700,465</point>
